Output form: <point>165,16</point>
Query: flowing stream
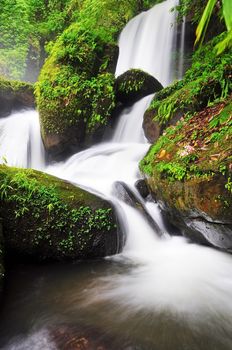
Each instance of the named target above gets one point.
<point>159,293</point>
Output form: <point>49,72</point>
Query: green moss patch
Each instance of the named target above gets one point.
<point>197,146</point>
<point>135,84</point>
<point>47,218</point>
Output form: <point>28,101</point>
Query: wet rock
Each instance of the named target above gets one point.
<point>152,128</point>
<point>142,188</point>
<point>15,95</point>
<point>134,84</point>
<point>123,192</point>
<point>74,338</point>
<point>201,208</point>
<point>45,218</point>
<point>75,93</point>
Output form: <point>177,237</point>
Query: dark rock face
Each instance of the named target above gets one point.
<point>142,188</point>
<point>125,194</point>
<point>152,129</point>
<point>45,218</point>
<point>15,95</point>
<point>200,208</point>
<point>75,93</point>
<point>1,257</point>
<point>134,84</point>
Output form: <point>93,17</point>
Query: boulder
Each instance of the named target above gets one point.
<point>134,84</point>
<point>45,218</point>
<point>142,188</point>
<point>15,95</point>
<point>200,208</point>
<point>189,173</point>
<point>123,192</point>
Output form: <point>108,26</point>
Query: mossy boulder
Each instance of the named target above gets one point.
<point>15,95</point>
<point>45,218</point>
<point>134,84</point>
<point>189,172</point>
<point>75,93</point>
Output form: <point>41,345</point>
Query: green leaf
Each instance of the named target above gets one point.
<point>227,13</point>
<point>224,44</point>
<point>204,21</point>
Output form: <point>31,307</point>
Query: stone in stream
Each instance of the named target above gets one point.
<point>45,218</point>
<point>142,188</point>
<point>135,84</point>
<point>123,192</point>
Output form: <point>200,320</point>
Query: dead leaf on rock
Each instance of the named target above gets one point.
<point>162,154</point>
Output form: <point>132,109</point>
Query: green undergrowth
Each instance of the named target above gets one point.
<point>40,210</point>
<point>208,81</point>
<point>198,146</point>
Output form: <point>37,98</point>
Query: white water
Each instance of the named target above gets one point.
<point>20,141</point>
<point>147,40</point>
<point>173,274</point>
<point>182,49</point>
<point>169,275</point>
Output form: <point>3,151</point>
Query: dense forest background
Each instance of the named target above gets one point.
<point>29,27</point>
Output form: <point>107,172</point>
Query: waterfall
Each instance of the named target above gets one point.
<point>168,275</point>
<point>147,41</point>
<point>182,49</point>
<point>20,141</point>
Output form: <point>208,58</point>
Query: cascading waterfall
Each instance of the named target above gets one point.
<point>20,141</point>
<point>182,49</point>
<point>161,280</point>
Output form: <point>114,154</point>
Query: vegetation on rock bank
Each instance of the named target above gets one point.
<point>15,94</point>
<point>47,218</point>
<point>189,166</point>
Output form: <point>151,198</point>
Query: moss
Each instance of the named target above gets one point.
<point>47,218</point>
<point>75,88</point>
<point>135,84</point>
<point>208,80</point>
<point>8,87</point>
<point>15,94</point>
<point>197,146</point>
<point>75,94</point>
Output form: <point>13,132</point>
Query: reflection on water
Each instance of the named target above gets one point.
<point>118,304</point>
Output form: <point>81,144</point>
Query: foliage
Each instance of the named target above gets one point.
<point>197,146</point>
<point>75,87</point>
<point>204,22</point>
<point>28,27</point>
<point>191,9</point>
